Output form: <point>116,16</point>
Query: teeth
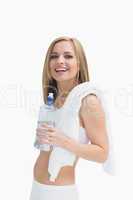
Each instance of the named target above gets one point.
<point>61,69</point>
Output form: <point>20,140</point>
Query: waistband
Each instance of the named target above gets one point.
<point>55,187</point>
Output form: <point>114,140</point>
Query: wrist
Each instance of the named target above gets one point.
<point>71,144</point>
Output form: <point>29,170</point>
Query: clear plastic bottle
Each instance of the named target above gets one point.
<point>46,116</point>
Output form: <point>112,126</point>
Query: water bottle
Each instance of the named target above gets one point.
<point>46,116</point>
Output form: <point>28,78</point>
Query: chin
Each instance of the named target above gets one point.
<point>63,79</point>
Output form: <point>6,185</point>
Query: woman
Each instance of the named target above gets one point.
<point>66,67</point>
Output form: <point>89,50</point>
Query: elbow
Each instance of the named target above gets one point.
<point>103,156</point>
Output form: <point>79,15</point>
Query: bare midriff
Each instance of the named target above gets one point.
<point>66,174</point>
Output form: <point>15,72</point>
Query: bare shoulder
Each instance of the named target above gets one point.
<point>91,106</point>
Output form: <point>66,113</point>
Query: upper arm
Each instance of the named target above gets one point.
<point>94,121</point>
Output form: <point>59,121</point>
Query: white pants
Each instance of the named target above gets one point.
<point>53,192</point>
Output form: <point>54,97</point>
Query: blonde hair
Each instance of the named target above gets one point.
<point>48,83</point>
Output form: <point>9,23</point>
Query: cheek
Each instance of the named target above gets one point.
<point>74,67</point>
<point>73,71</point>
<point>51,69</point>
<point>51,66</point>
<point>74,64</point>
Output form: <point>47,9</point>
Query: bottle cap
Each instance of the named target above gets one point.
<point>50,98</point>
<point>51,95</point>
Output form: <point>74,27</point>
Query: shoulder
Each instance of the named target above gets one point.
<point>91,106</point>
<point>94,96</point>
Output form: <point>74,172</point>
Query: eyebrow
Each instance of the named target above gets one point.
<point>66,52</point>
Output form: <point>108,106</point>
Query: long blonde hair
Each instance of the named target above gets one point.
<point>48,83</point>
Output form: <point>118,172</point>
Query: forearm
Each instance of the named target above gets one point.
<point>87,151</point>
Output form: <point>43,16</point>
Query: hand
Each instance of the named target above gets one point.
<point>51,136</point>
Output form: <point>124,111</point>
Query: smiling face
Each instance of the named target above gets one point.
<point>63,62</point>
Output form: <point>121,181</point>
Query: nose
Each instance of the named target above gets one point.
<point>61,59</point>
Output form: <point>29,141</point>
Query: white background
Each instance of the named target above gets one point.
<point>105,29</point>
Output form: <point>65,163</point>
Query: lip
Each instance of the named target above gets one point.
<point>61,69</point>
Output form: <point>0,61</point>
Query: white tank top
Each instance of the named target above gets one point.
<point>67,120</point>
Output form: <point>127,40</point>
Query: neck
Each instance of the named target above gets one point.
<point>65,87</point>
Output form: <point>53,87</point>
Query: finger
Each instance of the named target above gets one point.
<point>43,141</point>
<point>50,134</point>
<point>40,134</point>
<point>41,138</point>
<point>41,129</point>
<point>45,124</point>
<point>46,136</point>
<point>38,130</point>
<point>47,127</point>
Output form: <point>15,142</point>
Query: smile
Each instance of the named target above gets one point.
<point>61,69</point>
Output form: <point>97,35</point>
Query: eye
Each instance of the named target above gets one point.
<point>68,56</point>
<point>53,56</point>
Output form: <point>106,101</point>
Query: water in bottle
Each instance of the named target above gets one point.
<point>46,116</point>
